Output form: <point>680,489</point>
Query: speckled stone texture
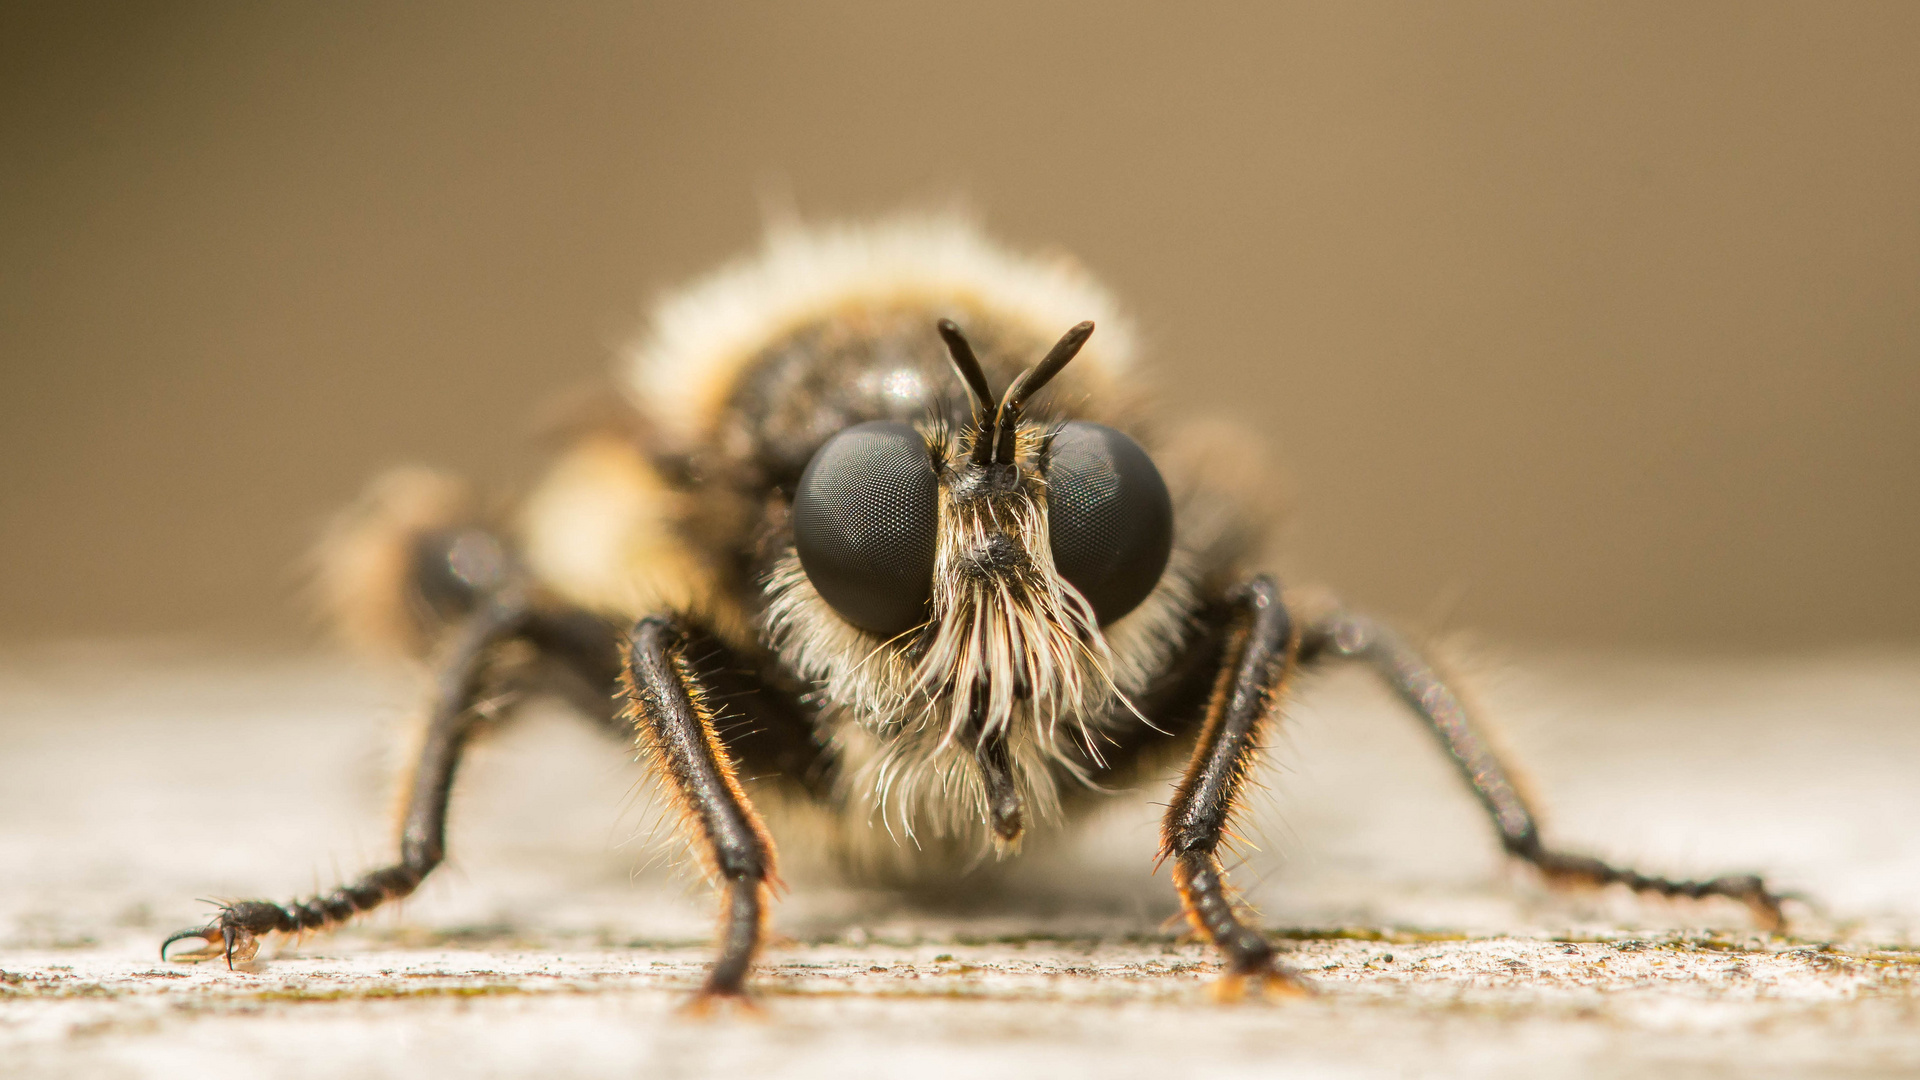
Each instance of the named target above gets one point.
<point>560,940</point>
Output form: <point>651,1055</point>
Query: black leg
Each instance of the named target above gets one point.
<point>463,682</point>
<point>1257,659</point>
<point>674,723</point>
<point>1344,635</point>
<point>579,662</point>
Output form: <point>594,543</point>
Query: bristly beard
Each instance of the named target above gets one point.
<point>1011,650</point>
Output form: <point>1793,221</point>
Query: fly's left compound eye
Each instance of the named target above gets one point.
<point>1109,516</point>
<point>864,521</point>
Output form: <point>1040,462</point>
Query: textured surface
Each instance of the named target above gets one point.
<point>559,942</point>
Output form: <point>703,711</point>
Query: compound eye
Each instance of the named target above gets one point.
<point>864,521</point>
<point>1109,516</point>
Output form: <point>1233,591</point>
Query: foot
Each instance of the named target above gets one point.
<point>1268,982</point>
<point>710,1004</point>
<point>233,934</point>
<point>1749,889</point>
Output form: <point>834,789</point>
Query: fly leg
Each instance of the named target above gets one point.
<point>1257,658</point>
<point>463,684</point>
<point>673,719</point>
<point>1346,636</point>
<point>464,590</point>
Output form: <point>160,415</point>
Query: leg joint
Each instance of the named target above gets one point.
<point>740,862</point>
<point>420,854</point>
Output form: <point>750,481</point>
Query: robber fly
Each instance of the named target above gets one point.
<point>870,543</point>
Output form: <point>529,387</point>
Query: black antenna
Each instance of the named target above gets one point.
<point>1007,421</point>
<point>968,365</point>
<point>976,379</point>
<point>1032,379</point>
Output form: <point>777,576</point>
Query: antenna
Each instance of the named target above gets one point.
<point>993,442</point>
<point>1007,421</point>
<point>968,365</point>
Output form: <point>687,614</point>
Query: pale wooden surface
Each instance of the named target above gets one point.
<point>559,942</point>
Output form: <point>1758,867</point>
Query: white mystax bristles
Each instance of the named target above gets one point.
<point>682,369</point>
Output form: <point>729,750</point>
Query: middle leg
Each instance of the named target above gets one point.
<point>1347,636</point>
<point>463,682</point>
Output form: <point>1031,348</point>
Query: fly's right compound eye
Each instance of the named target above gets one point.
<point>864,524</point>
<point>1111,517</point>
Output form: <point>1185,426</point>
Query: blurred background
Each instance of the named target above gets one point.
<point>1591,325</point>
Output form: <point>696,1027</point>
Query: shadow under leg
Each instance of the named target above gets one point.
<point>1346,636</point>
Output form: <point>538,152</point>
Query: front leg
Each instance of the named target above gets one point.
<point>1344,635</point>
<point>673,723</point>
<point>1257,658</point>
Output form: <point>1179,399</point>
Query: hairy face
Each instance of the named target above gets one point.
<point>991,627</point>
<point>947,592</point>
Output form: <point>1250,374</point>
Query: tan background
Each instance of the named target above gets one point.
<point>1579,323</point>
